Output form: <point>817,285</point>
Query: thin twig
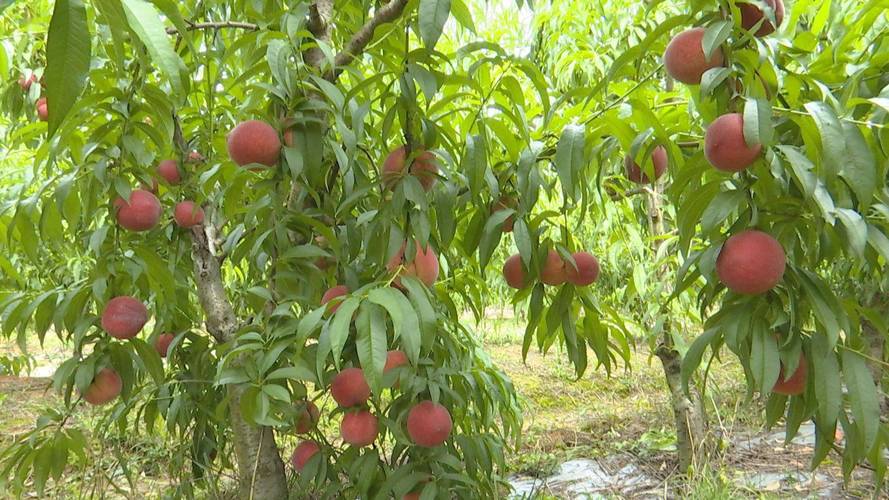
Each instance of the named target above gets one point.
<point>626,94</point>
<point>363,36</point>
<point>849,120</point>
<point>215,25</point>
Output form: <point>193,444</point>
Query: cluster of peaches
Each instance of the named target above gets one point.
<point>256,145</point>
<point>750,262</point>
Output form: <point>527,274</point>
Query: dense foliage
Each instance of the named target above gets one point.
<point>529,138</point>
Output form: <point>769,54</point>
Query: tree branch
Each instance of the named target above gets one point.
<point>221,320</point>
<point>364,35</point>
<point>215,25</point>
<point>320,15</point>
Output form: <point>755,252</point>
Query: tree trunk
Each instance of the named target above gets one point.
<point>688,408</point>
<point>260,469</point>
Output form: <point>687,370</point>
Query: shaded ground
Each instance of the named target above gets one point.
<point>596,437</point>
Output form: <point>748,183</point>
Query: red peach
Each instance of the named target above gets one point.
<point>104,388</point>
<point>684,58</point>
<point>162,343</point>
<point>124,317</point>
<point>188,214</point>
<point>429,424</point>
<point>254,141</point>
<point>349,388</point>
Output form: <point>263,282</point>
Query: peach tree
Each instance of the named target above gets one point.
<point>766,124</point>
<point>783,203</point>
<point>257,226</point>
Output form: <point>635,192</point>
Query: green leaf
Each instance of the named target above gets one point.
<point>275,391</point>
<point>151,359</point>
<point>716,34</point>
<point>491,236</point>
<point>569,158</point>
<point>277,54</point>
<point>832,136</point>
<point>828,390</point>
<point>856,230</point>
<point>764,360</point>
<point>298,372</point>
<point>719,209</point>
<point>309,323</point>
<point>712,78</point>
<point>67,59</point>
<point>823,304</point>
<point>693,355</point>
<point>371,344</point>
<point>801,167</point>
<point>859,167</point>
<point>879,241</point>
<point>522,241</point>
<point>432,16</point>
<point>340,326</point>
<point>404,318</point>
<point>862,396</point>
<point>4,4</point>
<point>757,122</point>
<point>475,163</point>
<point>145,23</point>
<point>417,292</point>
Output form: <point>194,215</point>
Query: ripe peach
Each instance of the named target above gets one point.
<point>303,453</point>
<point>42,109</point>
<point>423,266</point>
<point>141,213</point>
<point>395,359</point>
<point>349,388</point>
<point>587,269</point>
<point>514,273</point>
<point>195,157</point>
<point>503,203</point>
<point>169,171</point>
<point>333,293</point>
<point>254,141</point>
<point>424,167</point>
<point>725,146</point>
<point>751,14</point>
<point>25,83</point>
<point>796,383</point>
<point>429,424</point>
<point>553,272</point>
<point>415,495</point>
<point>307,417</point>
<point>162,343</point>
<point>105,387</point>
<point>750,262</point>
<point>188,214</point>
<point>636,174</point>
<point>359,428</point>
<point>124,317</point>
<point>684,58</point>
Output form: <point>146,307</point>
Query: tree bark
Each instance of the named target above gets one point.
<point>261,473</point>
<point>688,408</point>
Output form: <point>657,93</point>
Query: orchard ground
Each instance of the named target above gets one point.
<point>615,432</point>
